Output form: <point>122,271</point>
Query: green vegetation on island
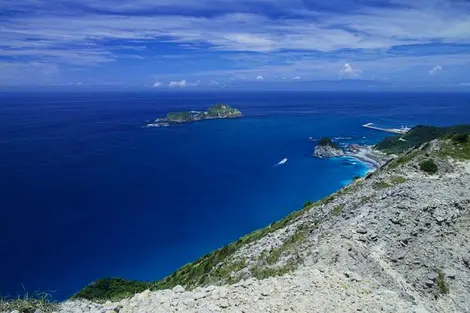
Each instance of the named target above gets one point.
<point>419,135</point>
<point>325,141</point>
<point>216,112</point>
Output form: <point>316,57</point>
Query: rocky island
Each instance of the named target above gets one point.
<point>393,241</point>
<point>327,148</point>
<point>218,111</point>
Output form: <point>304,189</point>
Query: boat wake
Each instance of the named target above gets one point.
<point>283,161</point>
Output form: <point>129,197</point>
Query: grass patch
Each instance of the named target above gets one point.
<point>404,159</point>
<point>208,269</point>
<point>346,191</point>
<point>428,166</point>
<point>328,199</point>
<point>299,236</point>
<point>381,185</point>
<point>393,181</point>
<point>265,272</point>
<point>397,180</point>
<point>456,150</point>
<point>441,283</point>
<point>28,304</point>
<point>226,270</point>
<point>337,210</point>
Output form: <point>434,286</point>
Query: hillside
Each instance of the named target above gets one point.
<point>417,136</point>
<point>395,241</point>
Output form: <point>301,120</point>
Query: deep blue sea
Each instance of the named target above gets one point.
<point>87,192</point>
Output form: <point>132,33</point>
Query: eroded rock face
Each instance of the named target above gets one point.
<point>326,148</point>
<point>327,151</point>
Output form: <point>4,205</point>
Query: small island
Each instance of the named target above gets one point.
<point>327,148</point>
<point>218,111</point>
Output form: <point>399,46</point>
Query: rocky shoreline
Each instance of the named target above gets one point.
<point>327,148</point>
<point>368,155</point>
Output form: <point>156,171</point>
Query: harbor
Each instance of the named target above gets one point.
<point>399,131</point>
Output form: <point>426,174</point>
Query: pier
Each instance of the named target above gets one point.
<point>399,131</point>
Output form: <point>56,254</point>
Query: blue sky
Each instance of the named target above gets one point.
<point>217,44</point>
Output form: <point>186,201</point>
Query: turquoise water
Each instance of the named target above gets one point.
<point>88,192</point>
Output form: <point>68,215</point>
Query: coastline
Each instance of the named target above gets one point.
<point>368,156</point>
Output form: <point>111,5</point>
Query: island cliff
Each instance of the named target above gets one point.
<point>219,111</point>
<point>393,241</point>
<point>326,148</point>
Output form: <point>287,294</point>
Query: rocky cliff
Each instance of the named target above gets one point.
<point>394,241</point>
<point>326,148</point>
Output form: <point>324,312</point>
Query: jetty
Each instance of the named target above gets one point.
<point>399,131</point>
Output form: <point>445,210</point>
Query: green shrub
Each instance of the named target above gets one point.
<point>111,288</point>
<point>428,166</point>
<point>460,138</point>
<point>441,283</point>
<point>337,210</point>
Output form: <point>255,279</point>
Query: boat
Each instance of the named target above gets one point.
<point>283,161</point>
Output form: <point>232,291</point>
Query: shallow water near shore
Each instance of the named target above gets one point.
<point>89,193</point>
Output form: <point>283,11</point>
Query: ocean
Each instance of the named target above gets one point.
<point>88,192</point>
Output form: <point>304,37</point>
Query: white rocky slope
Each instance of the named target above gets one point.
<point>397,241</point>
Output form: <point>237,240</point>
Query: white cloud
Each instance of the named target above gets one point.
<point>296,78</point>
<point>58,36</point>
<point>157,84</point>
<point>39,35</point>
<point>435,70</point>
<point>178,84</point>
<point>349,72</point>
<point>260,78</point>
